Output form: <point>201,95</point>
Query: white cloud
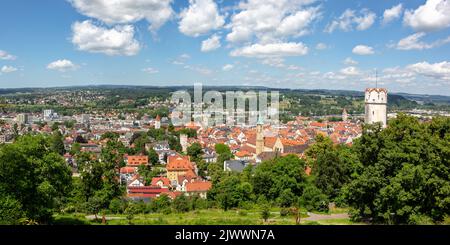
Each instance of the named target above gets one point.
<point>333,76</point>
<point>185,56</point>
<point>199,69</point>
<point>296,23</point>
<point>150,70</point>
<point>436,70</point>
<point>156,12</point>
<point>274,62</point>
<point>271,21</point>
<point>62,65</point>
<point>181,60</point>
<point>349,21</point>
<point>392,13</point>
<point>433,15</point>
<point>350,71</point>
<point>398,75</point>
<point>201,17</point>
<point>366,21</point>
<point>227,67</point>
<point>118,40</point>
<point>414,42</point>
<point>5,56</point>
<point>211,43</point>
<point>293,68</point>
<point>363,50</point>
<point>321,46</point>
<point>271,50</point>
<point>8,69</point>
<point>349,61</point>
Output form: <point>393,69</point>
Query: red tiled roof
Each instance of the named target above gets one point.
<point>165,181</point>
<point>318,124</point>
<point>179,163</point>
<point>137,160</point>
<point>243,153</point>
<point>127,170</point>
<point>198,186</point>
<point>146,189</point>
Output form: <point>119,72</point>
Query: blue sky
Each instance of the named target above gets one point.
<point>277,43</point>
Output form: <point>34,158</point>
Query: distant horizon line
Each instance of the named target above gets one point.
<point>217,86</point>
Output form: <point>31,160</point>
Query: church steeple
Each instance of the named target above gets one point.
<point>344,115</point>
<point>259,136</point>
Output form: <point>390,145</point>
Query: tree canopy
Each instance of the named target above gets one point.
<point>32,179</point>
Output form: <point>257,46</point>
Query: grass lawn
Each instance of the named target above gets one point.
<point>199,217</point>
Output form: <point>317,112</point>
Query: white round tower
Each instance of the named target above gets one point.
<point>376,105</point>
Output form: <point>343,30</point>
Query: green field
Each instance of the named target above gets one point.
<point>202,217</point>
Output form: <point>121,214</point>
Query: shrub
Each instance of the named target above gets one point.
<point>284,212</point>
<point>265,212</point>
<point>314,199</point>
<point>420,219</point>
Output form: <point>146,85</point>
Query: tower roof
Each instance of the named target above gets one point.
<point>158,118</point>
<point>368,90</point>
<point>260,121</point>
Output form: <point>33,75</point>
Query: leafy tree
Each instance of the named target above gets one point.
<point>75,200</point>
<point>16,130</point>
<point>58,143</point>
<point>130,211</point>
<point>332,172</point>
<point>55,126</point>
<point>191,133</point>
<point>110,135</point>
<point>181,204</point>
<point>265,212</point>
<point>33,176</point>
<point>272,177</point>
<point>148,173</point>
<point>160,203</point>
<point>75,149</point>
<point>313,199</point>
<point>195,151</point>
<point>153,157</point>
<point>69,124</point>
<point>99,179</point>
<point>223,152</point>
<point>157,134</point>
<point>230,192</point>
<point>11,212</point>
<point>91,174</point>
<point>174,143</point>
<point>139,140</point>
<point>117,206</point>
<point>406,172</point>
<point>215,171</point>
<point>287,198</point>
<point>94,205</point>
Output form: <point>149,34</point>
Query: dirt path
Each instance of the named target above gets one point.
<point>92,217</point>
<point>317,217</point>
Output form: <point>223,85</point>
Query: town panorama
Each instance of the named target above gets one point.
<point>244,112</point>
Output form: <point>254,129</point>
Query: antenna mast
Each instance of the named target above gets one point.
<point>376,78</point>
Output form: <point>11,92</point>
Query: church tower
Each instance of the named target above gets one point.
<point>376,106</point>
<point>344,115</point>
<point>158,122</point>
<point>259,137</point>
<point>184,142</point>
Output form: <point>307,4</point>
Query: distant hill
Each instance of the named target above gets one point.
<point>396,99</point>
